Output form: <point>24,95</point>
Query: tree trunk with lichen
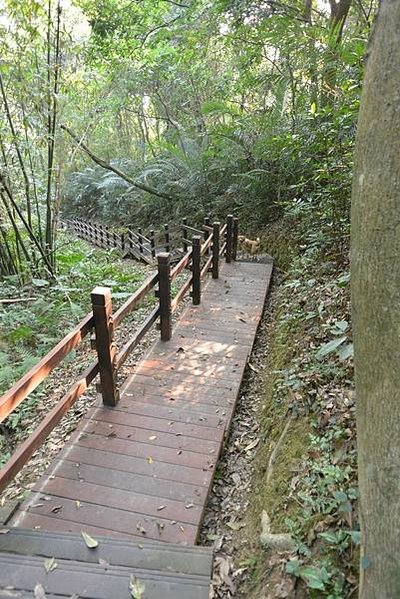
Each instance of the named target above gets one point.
<point>376,308</point>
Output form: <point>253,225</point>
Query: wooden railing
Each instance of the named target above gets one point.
<point>134,243</point>
<point>200,258</point>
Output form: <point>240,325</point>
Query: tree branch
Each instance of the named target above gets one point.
<point>115,170</point>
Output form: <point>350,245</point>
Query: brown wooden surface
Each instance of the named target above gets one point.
<point>144,468</point>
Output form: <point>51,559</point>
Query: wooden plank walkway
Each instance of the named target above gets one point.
<point>144,468</point>
<point>165,570</point>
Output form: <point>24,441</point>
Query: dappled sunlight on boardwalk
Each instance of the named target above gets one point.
<point>145,467</point>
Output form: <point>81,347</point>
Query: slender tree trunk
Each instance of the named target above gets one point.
<point>376,308</point>
<point>339,13</point>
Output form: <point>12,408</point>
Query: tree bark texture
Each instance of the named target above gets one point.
<point>376,308</point>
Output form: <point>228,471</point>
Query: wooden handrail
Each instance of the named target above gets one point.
<point>223,248</point>
<point>206,245</point>
<point>191,230</point>
<point>29,446</point>
<point>133,341</point>
<point>28,383</point>
<point>206,267</point>
<point>183,262</point>
<point>134,300</point>
<point>14,396</point>
<point>181,293</point>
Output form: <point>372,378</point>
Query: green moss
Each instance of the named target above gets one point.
<point>272,495</point>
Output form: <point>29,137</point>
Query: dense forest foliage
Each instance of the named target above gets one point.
<point>205,107</point>
<point>142,112</point>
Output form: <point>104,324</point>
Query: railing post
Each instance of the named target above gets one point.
<point>106,351</point>
<point>196,270</point>
<point>164,295</point>
<point>115,239</point>
<point>215,251</point>
<point>229,233</point>
<point>166,232</point>
<point>153,243</point>
<point>107,237</point>
<point>122,237</point>
<point>130,237</point>
<point>185,235</point>
<point>140,241</point>
<point>235,238</point>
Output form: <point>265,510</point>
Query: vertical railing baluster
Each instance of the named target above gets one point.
<point>153,243</point>
<point>140,241</point>
<point>215,250</point>
<point>164,294</point>
<point>185,235</point>
<point>229,233</point>
<point>235,238</point>
<point>130,237</point>
<point>196,270</point>
<point>167,239</point>
<point>106,349</point>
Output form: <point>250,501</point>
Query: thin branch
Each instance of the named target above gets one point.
<point>115,170</point>
<point>154,29</point>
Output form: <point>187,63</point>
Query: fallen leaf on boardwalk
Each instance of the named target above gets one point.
<point>180,350</point>
<point>160,526</point>
<point>140,528</point>
<point>78,504</point>
<point>57,508</point>
<point>39,592</point>
<point>90,541</point>
<point>4,531</point>
<point>50,564</point>
<point>153,437</point>
<point>189,505</point>
<point>136,588</point>
<point>103,563</point>
<point>150,460</point>
<point>161,507</point>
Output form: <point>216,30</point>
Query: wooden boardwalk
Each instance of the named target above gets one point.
<point>144,469</point>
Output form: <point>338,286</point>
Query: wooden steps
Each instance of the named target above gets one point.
<point>167,571</point>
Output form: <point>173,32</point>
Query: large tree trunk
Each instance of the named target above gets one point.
<point>376,308</point>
